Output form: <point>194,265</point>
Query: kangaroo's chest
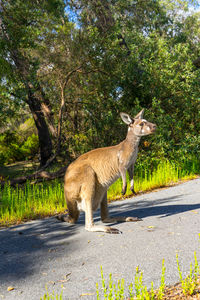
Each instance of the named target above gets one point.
<point>127,158</point>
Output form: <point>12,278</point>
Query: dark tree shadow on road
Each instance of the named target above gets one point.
<point>21,246</point>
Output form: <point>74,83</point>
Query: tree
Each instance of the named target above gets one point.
<point>78,63</point>
<point>21,28</point>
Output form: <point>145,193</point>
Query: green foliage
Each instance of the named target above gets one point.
<point>140,291</point>
<point>51,296</point>
<point>30,202</point>
<point>162,283</point>
<point>112,291</point>
<point>30,146</point>
<point>153,174</point>
<point>190,282</point>
<point>15,148</point>
<point>38,200</point>
<point>102,59</point>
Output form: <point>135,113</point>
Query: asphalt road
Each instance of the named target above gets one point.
<point>54,254</point>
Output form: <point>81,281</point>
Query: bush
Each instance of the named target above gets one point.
<point>13,148</point>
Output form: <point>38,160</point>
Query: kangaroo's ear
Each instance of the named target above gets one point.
<point>126,118</point>
<point>140,114</point>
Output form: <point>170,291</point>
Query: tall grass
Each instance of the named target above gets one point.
<point>45,199</point>
<point>164,174</point>
<point>30,202</point>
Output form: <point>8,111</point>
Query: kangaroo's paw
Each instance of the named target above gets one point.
<point>123,192</point>
<point>113,230</point>
<point>132,190</point>
<point>132,219</point>
<point>100,228</point>
<point>62,218</point>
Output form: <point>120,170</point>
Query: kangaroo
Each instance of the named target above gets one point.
<point>88,178</point>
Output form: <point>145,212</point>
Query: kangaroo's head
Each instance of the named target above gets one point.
<point>137,125</point>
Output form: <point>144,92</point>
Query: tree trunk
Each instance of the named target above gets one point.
<point>42,128</point>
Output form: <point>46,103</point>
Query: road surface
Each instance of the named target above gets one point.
<point>54,254</point>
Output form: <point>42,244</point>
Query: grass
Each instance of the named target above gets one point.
<point>31,201</point>
<point>52,296</point>
<point>163,175</point>
<point>187,288</point>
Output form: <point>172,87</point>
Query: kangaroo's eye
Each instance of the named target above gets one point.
<point>142,123</point>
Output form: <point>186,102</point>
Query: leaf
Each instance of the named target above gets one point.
<point>150,227</point>
<point>52,282</point>
<point>65,277</point>
<point>87,294</point>
<point>63,280</point>
<point>10,288</point>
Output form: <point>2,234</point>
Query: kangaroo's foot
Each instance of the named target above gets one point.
<point>121,219</point>
<point>123,192</point>
<point>105,229</point>
<point>64,218</point>
<point>132,190</point>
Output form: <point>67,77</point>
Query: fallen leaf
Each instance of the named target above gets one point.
<point>89,241</point>
<point>52,282</point>
<point>63,280</point>
<point>10,288</point>
<point>87,294</point>
<point>65,277</point>
<point>150,227</point>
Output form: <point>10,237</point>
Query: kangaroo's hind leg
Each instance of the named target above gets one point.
<point>90,199</point>
<point>107,219</point>
<point>73,211</point>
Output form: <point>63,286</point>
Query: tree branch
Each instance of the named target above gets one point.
<point>39,175</point>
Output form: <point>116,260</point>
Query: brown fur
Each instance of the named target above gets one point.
<point>88,178</point>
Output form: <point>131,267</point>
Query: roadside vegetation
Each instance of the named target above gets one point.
<point>187,289</point>
<point>39,200</point>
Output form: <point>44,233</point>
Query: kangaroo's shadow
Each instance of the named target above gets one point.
<point>143,209</point>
